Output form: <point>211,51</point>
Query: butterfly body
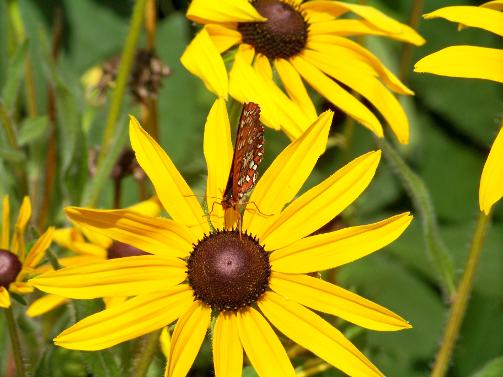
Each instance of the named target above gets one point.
<point>248,154</point>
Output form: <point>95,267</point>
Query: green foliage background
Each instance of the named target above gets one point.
<point>453,122</point>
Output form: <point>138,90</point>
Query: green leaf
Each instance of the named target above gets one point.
<point>494,368</point>
<point>10,154</point>
<point>33,129</point>
<point>14,75</point>
<point>248,371</point>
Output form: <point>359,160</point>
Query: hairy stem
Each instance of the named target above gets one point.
<point>15,342</point>
<point>461,298</point>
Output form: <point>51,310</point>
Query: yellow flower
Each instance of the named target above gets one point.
<point>15,264</point>
<point>479,63</point>
<point>88,247</point>
<point>196,271</point>
<point>468,61</point>
<point>303,41</point>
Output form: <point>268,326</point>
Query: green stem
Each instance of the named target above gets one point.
<point>126,63</point>
<point>461,297</point>
<point>8,126</point>
<point>420,196</point>
<point>406,55</point>
<point>16,344</point>
<point>147,354</point>
<point>19,29</point>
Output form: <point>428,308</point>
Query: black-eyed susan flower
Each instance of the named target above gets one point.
<point>245,280</point>
<point>307,42</point>
<point>16,265</point>
<point>479,63</point>
<point>89,247</point>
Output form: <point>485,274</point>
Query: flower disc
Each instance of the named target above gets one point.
<point>10,266</point>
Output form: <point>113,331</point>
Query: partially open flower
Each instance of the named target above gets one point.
<point>16,264</point>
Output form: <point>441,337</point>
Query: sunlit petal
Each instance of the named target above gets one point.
<point>223,37</point>
<point>39,248</point>
<point>22,220</point>
<point>227,349</point>
<point>5,222</point>
<point>4,298</point>
<point>322,203</point>
<point>154,235</point>
<point>262,346</point>
<point>336,94</point>
<point>317,335</point>
<point>218,155</point>
<point>480,17</point>
<point>121,277</point>
<point>187,338</point>
<point>202,59</point>
<point>207,11</point>
<point>464,61</point>
<point>324,297</point>
<point>286,175</point>
<point>262,66</point>
<point>491,182</point>
<point>328,250</point>
<point>174,193</point>
<point>45,304</point>
<point>133,318</point>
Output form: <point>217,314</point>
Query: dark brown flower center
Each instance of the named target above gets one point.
<point>283,35</point>
<point>121,250</point>
<point>228,271</point>
<point>10,266</point>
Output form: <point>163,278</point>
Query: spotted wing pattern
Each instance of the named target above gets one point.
<point>248,154</point>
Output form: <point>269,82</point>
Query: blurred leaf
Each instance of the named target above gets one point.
<point>494,368</point>
<point>248,371</point>
<point>20,299</point>
<point>10,154</point>
<point>32,129</point>
<point>14,75</point>
<point>91,193</point>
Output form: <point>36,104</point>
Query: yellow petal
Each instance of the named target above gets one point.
<point>286,175</point>
<point>295,87</point>
<point>328,250</point>
<point>480,17</point>
<point>121,277</point>
<point>45,304</point>
<point>464,61</point>
<point>113,301</point>
<point>38,249</point>
<point>174,193</point>
<point>96,238</point>
<point>315,334</point>
<point>245,53</point>
<point>495,4</point>
<point>136,317</point>
<point>151,207</point>
<point>322,203</point>
<point>277,110</point>
<point>20,287</point>
<point>22,221</point>
<point>369,87</point>
<point>207,11</point>
<point>89,249</point>
<point>227,349</point>
<point>5,222</point>
<point>223,37</point>
<point>262,346</point>
<point>354,54</point>
<point>187,338</point>
<point>218,155</point>
<point>262,66</point>
<point>322,296</point>
<point>165,342</point>
<point>154,235</point>
<point>4,298</point>
<point>336,94</point>
<point>202,59</point>
<point>372,15</point>
<point>66,237</point>
<point>491,182</point>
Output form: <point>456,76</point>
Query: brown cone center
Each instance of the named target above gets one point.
<point>283,35</point>
<point>10,266</point>
<point>228,271</point>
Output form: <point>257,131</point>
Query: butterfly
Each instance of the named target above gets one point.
<point>248,154</point>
